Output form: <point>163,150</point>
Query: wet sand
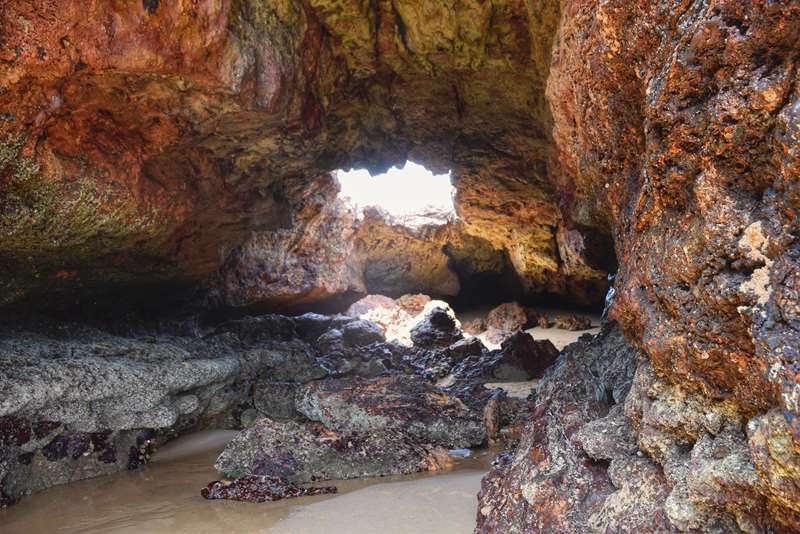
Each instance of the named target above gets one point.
<point>164,498</point>
<point>444,503</point>
<point>561,338</point>
<point>517,390</point>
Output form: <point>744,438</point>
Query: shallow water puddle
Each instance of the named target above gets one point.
<point>164,497</point>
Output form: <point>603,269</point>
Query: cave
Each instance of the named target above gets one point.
<point>539,259</point>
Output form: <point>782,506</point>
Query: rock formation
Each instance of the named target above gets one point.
<point>550,484</point>
<point>676,126</point>
<point>509,317</point>
<point>160,145</point>
<point>80,401</point>
<point>259,489</point>
<point>302,453</point>
<point>178,155</point>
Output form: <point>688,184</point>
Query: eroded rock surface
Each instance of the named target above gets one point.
<point>676,126</point>
<point>521,358</point>
<point>155,144</point>
<point>550,483</point>
<point>438,327</point>
<point>572,322</point>
<point>303,452</point>
<point>156,147</point>
<point>80,401</point>
<point>259,489</point>
<point>510,317</point>
<point>394,402</point>
<point>603,443</point>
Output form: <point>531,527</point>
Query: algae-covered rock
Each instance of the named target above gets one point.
<point>304,452</point>
<point>259,489</point>
<point>402,403</point>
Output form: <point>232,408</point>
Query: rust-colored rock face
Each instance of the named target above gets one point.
<point>676,125</point>
<point>154,142</point>
<point>311,258</point>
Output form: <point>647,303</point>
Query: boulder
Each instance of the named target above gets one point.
<point>519,358</point>
<point>572,322</point>
<point>436,364</point>
<point>509,317</point>
<point>259,489</point>
<point>360,333</point>
<point>522,358</point>
<point>438,326</point>
<point>352,334</point>
<point>401,255</point>
<point>396,317</point>
<point>300,453</point>
<point>396,402</point>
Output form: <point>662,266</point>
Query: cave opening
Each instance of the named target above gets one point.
<point>412,240</point>
<point>411,195</point>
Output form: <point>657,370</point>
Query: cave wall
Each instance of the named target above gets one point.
<point>694,164</point>
<point>675,124</point>
<point>151,144</point>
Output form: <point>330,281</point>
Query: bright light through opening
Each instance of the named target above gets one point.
<point>410,192</point>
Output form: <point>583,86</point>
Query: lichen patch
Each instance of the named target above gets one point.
<point>754,245</point>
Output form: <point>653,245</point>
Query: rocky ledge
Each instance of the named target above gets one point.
<point>79,401</point>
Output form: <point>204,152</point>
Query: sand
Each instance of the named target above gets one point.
<point>164,498</point>
<point>440,504</point>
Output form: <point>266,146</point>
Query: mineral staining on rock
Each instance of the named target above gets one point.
<point>207,134</point>
<point>259,489</point>
<point>675,122</point>
<point>79,401</point>
<point>392,403</point>
<point>165,147</point>
<point>305,452</point>
<point>549,483</point>
<point>636,442</point>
